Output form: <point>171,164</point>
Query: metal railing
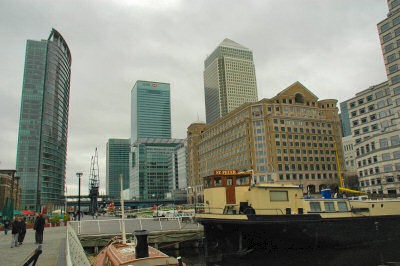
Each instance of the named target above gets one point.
<point>114,226</point>
<point>75,255</point>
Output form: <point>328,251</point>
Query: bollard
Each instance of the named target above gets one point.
<point>142,247</point>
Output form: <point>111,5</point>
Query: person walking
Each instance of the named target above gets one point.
<point>15,231</point>
<point>6,225</point>
<point>22,232</point>
<point>39,228</point>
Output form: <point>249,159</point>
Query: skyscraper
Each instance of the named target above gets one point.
<point>229,79</point>
<point>117,163</point>
<point>43,127</point>
<point>152,160</point>
<point>150,110</point>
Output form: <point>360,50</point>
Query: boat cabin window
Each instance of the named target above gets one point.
<point>242,180</point>
<point>342,206</point>
<point>315,206</point>
<point>207,182</point>
<point>217,181</point>
<point>329,206</point>
<point>278,195</point>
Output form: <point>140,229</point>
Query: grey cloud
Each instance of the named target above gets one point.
<point>332,47</point>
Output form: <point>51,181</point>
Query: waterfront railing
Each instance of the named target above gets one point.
<point>75,255</point>
<point>114,226</point>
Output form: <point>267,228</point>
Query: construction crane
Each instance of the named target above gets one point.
<point>94,182</point>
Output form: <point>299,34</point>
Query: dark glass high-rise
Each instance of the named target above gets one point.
<point>43,126</point>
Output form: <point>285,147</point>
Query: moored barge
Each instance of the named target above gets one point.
<point>239,215</point>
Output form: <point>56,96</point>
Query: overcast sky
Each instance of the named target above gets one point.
<point>331,47</point>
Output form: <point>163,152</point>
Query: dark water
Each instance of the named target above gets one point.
<point>387,253</point>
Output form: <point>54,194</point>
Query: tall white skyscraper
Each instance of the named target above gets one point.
<point>229,79</point>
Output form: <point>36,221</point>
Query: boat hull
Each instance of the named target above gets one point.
<point>298,231</point>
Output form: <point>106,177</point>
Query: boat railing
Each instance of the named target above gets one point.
<point>233,210</point>
<point>114,226</point>
<point>75,255</point>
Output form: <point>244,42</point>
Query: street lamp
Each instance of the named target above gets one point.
<point>79,174</point>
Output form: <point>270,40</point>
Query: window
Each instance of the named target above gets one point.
<point>242,180</point>
<point>385,27</point>
<point>395,140</point>
<point>388,168</point>
<point>217,181</point>
<point>383,143</point>
<point>385,156</point>
<point>396,90</point>
<point>329,206</point>
<point>278,195</point>
<point>379,94</point>
<point>389,47</point>
<point>393,68</point>
<point>315,206</point>
<point>387,37</point>
<point>342,206</point>
<point>395,79</point>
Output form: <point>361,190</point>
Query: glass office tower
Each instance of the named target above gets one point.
<point>43,126</point>
<point>117,163</point>
<point>229,79</point>
<point>150,110</point>
<point>155,167</point>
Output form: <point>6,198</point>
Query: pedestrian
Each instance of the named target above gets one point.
<point>6,225</point>
<point>22,232</point>
<point>39,228</point>
<point>15,231</point>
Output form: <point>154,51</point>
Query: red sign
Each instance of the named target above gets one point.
<point>225,172</point>
<point>154,85</point>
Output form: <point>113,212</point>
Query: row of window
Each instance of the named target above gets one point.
<point>378,181</point>
<point>307,167</point>
<point>307,176</point>
<point>329,206</point>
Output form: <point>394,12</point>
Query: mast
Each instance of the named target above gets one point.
<point>122,212</point>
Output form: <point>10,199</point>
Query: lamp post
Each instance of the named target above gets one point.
<point>79,174</point>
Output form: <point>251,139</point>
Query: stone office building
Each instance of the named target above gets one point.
<point>289,138</point>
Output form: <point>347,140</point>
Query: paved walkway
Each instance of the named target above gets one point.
<point>53,248</point>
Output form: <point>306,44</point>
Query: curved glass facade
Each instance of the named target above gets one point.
<point>43,128</point>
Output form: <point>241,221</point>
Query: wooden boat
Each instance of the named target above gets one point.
<point>238,215</point>
<point>117,253</point>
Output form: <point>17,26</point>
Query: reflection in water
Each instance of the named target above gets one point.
<point>387,253</point>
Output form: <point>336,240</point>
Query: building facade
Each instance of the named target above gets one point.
<point>9,189</point>
<point>117,163</point>
<point>374,119</point>
<point>43,125</point>
<point>229,79</point>
<point>150,110</point>
<point>374,116</point>
<point>154,168</point>
<point>289,138</point>
<point>180,172</point>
